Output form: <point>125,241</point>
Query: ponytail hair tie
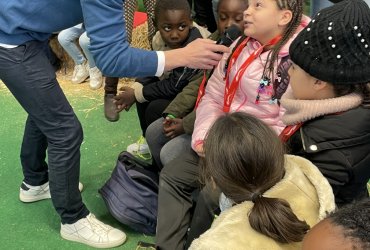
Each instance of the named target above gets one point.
<point>255,196</point>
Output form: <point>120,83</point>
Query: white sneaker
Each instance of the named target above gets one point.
<point>139,148</point>
<point>92,232</point>
<point>80,73</point>
<point>96,78</point>
<point>28,193</point>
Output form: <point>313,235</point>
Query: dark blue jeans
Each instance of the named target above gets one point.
<point>51,126</point>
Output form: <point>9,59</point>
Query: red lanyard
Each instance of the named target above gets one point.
<point>201,88</point>
<point>230,89</point>
<point>288,131</point>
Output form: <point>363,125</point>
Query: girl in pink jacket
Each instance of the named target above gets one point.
<point>254,76</point>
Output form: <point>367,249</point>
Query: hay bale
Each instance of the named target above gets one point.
<point>140,37</point>
<point>139,40</point>
<point>67,63</point>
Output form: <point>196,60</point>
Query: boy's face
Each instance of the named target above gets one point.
<point>326,236</point>
<point>174,26</point>
<point>302,83</point>
<point>230,12</point>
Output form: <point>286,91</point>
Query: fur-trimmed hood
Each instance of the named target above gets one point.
<point>303,187</point>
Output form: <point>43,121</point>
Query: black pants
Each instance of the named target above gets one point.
<point>149,112</point>
<point>206,209</point>
<point>51,125</point>
<point>111,84</point>
<point>178,182</point>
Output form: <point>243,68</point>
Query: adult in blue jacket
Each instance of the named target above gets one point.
<point>51,123</point>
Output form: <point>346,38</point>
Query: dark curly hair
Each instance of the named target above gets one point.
<point>163,5</point>
<point>354,219</point>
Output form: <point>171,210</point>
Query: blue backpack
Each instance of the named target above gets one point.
<point>131,193</point>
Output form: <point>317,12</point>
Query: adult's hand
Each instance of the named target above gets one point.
<point>199,54</point>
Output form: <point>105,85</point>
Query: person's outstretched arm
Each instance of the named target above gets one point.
<point>105,26</point>
<point>199,54</point>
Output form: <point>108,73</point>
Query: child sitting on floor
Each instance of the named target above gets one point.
<point>152,95</point>
<point>170,135</point>
<point>251,80</point>
<point>273,199</point>
<point>348,228</point>
<point>328,121</point>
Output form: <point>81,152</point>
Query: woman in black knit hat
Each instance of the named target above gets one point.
<point>327,109</point>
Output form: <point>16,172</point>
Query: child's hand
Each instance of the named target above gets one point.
<point>125,99</point>
<point>173,127</point>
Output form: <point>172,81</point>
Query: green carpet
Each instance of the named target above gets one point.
<point>37,225</point>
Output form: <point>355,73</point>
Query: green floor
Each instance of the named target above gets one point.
<point>36,225</point>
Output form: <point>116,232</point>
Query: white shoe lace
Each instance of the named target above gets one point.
<point>97,226</point>
<point>96,78</point>
<point>80,72</point>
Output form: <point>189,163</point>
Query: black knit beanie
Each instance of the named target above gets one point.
<point>335,46</point>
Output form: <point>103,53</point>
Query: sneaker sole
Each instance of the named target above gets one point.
<point>69,237</point>
<point>96,87</point>
<point>112,119</point>
<point>139,152</point>
<point>80,81</point>
<point>28,199</point>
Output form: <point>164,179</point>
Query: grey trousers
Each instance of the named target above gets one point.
<point>178,180</point>
<point>164,149</point>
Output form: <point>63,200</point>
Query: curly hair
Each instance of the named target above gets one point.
<point>163,5</point>
<point>354,219</point>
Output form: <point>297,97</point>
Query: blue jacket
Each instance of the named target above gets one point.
<point>25,20</point>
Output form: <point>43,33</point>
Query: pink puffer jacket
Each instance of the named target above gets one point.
<point>211,105</point>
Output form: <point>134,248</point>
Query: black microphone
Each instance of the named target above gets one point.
<point>230,35</point>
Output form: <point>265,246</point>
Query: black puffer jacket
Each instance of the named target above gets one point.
<point>339,145</point>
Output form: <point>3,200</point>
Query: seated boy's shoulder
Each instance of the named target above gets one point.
<point>202,30</point>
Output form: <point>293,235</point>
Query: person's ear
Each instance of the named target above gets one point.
<point>320,85</point>
<point>285,17</point>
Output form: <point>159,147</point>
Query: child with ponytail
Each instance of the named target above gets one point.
<point>274,198</point>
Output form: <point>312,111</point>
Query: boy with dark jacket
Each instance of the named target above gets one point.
<point>153,94</point>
